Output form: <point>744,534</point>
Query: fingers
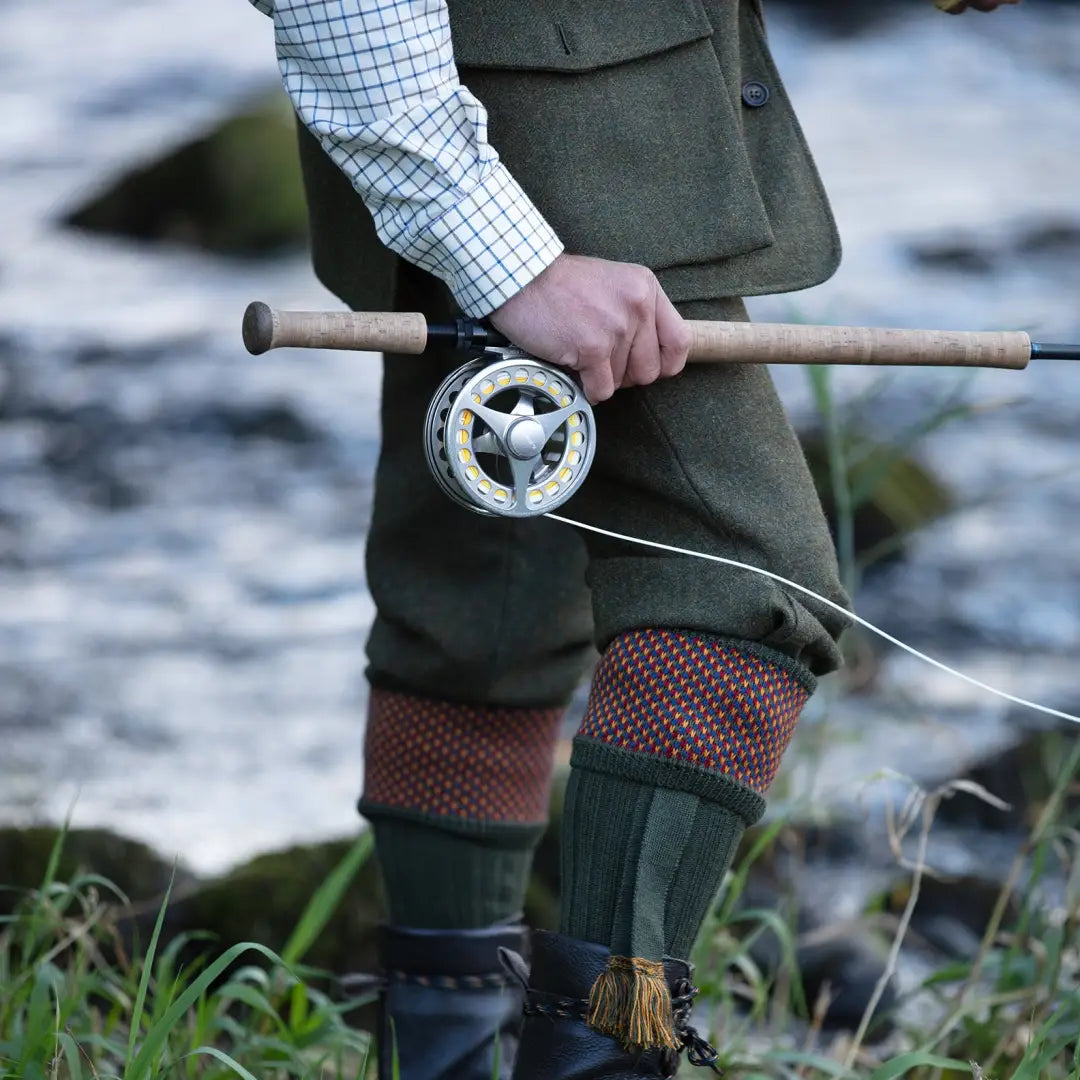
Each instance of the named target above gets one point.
<point>673,338</point>
<point>593,366</point>
<point>643,365</point>
<point>610,322</point>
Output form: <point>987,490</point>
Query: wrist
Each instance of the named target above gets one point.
<point>489,245</point>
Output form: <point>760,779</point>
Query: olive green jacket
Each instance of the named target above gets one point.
<point>638,129</point>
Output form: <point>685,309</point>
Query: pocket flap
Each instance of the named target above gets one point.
<point>570,35</point>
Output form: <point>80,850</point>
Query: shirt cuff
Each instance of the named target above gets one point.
<point>488,246</point>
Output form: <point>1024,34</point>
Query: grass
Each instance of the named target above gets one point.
<point>77,1001</point>
<point>1011,1012</point>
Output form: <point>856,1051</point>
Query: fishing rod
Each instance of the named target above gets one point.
<point>513,436</point>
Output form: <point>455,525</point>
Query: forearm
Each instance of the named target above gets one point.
<point>380,91</point>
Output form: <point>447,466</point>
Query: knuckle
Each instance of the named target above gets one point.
<point>642,290</point>
<point>595,349</point>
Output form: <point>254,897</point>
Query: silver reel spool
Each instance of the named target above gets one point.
<point>509,435</point>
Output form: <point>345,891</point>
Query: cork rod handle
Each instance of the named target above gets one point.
<point>367,331</point>
<point>711,342</point>
<point>794,343</point>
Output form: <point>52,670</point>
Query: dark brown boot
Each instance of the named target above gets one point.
<point>558,1044</point>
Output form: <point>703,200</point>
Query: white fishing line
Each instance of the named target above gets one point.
<point>828,603</point>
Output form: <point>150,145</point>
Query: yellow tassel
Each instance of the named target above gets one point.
<point>630,1000</point>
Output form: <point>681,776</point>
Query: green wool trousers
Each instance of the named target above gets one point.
<point>485,627</point>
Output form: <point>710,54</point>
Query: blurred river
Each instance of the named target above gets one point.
<point>182,596</point>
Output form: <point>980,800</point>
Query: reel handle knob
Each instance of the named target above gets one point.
<point>266,328</point>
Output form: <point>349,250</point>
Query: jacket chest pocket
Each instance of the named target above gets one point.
<point>615,117</point>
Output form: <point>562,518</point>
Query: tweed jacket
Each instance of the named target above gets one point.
<point>648,131</point>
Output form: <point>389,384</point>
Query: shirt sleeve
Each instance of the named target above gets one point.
<point>376,83</point>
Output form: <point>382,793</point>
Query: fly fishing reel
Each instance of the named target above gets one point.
<point>509,435</point>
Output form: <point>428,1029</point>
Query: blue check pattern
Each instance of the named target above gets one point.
<point>375,81</point>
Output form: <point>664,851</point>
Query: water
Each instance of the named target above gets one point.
<point>183,604</point>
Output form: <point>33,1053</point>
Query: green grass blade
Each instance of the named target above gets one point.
<point>71,1055</point>
<point>144,979</point>
<point>156,1037</point>
<point>902,1065</point>
<point>324,902</point>
<point>827,1065</point>
<point>51,867</point>
<point>39,1026</point>
<point>395,1066</point>
<point>220,1055</point>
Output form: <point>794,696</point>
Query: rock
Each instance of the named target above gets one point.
<point>1022,776</point>
<point>959,255</point>
<point>894,494</point>
<point>102,456</point>
<point>81,448</point>
<point>951,914</point>
<point>234,190</point>
<point>845,969</point>
<point>1051,240</point>
<point>262,900</point>
<point>138,871</point>
<point>840,961</point>
<point>103,353</point>
<point>277,421</point>
<point>840,17</point>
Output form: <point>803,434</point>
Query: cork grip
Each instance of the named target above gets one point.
<point>368,331</point>
<point>780,343</point>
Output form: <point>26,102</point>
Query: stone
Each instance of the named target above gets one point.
<point>894,493</point>
<point>235,189</point>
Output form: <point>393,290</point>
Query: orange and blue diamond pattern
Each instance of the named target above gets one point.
<point>695,699</point>
<point>459,761</point>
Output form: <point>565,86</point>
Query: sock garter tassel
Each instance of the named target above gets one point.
<point>630,1001</point>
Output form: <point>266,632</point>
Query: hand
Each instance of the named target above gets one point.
<point>979,5</point>
<point>608,321</point>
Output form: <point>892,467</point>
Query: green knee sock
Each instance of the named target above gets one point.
<point>646,843</point>
<point>682,733</point>
<point>438,879</point>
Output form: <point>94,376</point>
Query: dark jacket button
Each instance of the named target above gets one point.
<point>754,93</point>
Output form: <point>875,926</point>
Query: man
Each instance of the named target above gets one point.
<point>637,163</point>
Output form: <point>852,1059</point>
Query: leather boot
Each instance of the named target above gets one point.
<point>455,1012</point>
<point>557,1043</point>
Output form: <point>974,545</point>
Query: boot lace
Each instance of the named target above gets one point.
<point>698,1050</point>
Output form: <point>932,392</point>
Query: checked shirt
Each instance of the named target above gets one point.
<point>376,83</point>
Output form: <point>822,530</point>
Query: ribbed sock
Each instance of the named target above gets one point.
<point>682,735</point>
<point>435,879</point>
<point>457,796</point>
